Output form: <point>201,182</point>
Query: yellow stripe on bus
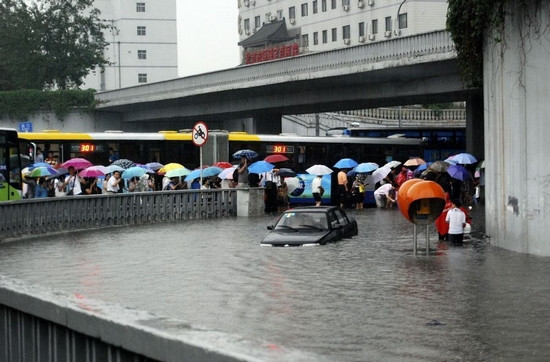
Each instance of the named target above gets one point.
<point>54,136</point>
<point>243,136</point>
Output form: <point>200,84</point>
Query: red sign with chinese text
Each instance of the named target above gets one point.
<point>264,55</point>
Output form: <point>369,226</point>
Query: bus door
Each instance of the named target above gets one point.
<point>10,170</point>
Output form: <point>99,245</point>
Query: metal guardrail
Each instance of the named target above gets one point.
<point>39,216</point>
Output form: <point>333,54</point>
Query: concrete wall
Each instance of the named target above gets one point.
<point>517,105</point>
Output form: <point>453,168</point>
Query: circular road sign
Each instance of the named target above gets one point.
<point>199,133</point>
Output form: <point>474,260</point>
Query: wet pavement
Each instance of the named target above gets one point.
<point>363,299</point>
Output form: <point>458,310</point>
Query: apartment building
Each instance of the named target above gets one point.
<point>271,29</point>
<point>142,44</point>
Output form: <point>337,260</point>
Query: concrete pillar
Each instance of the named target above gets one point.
<point>250,201</point>
<point>475,133</point>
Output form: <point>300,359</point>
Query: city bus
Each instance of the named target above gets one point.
<point>438,143</point>
<point>173,146</point>
<point>10,165</point>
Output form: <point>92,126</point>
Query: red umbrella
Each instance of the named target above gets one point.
<point>223,164</point>
<point>276,158</point>
<point>77,163</point>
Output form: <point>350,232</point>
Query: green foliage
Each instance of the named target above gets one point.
<point>469,21</point>
<point>21,103</point>
<point>49,44</point>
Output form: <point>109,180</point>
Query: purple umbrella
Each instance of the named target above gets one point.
<point>458,172</point>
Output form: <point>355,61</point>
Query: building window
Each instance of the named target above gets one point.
<point>333,4</point>
<point>315,38</point>
<point>374,26</point>
<point>388,23</point>
<point>142,54</point>
<point>247,26</point>
<point>279,14</point>
<point>258,20</point>
<point>304,9</point>
<point>305,41</point>
<point>292,12</point>
<point>314,6</point>
<point>323,5</point>
<point>140,7</point>
<point>346,32</point>
<point>142,78</point>
<point>402,21</point>
<point>325,36</point>
<point>345,2</point>
<point>361,29</point>
<point>334,34</point>
<point>141,30</point>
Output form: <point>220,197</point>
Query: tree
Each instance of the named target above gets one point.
<point>51,44</point>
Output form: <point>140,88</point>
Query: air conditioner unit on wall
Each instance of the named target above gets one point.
<point>292,20</point>
<point>387,34</point>
<point>371,3</point>
<point>396,32</point>
<point>361,4</point>
<point>372,37</point>
<point>346,41</point>
<point>272,18</point>
<point>361,39</point>
<point>346,7</point>
<point>252,2</point>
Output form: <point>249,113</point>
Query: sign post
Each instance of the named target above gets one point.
<point>199,136</point>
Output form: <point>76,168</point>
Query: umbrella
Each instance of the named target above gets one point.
<point>227,174</point>
<point>458,172</point>
<point>379,174</point>
<point>414,161</point>
<point>345,163</point>
<point>168,167</point>
<point>438,166</point>
<point>60,172</point>
<point>93,171</point>
<point>421,168</point>
<point>260,167</point>
<point>276,158</point>
<point>286,172</point>
<point>463,158</point>
<point>392,164</point>
<point>178,172</point>
<point>146,168</point>
<point>482,165</point>
<point>134,171</point>
<point>77,163</point>
<point>124,163</point>
<point>223,164</point>
<point>249,154</point>
<point>42,171</point>
<point>365,167</point>
<point>39,164</point>
<point>113,168</point>
<point>154,165</point>
<point>319,170</point>
<point>206,172</point>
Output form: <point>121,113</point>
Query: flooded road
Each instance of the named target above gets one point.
<point>362,299</point>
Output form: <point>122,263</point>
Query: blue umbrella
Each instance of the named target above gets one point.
<point>463,158</point>
<point>42,171</point>
<point>345,163</point>
<point>135,171</point>
<point>249,154</point>
<point>458,172</point>
<point>260,167</point>
<point>154,165</point>
<point>39,164</point>
<point>366,167</point>
<point>206,172</point>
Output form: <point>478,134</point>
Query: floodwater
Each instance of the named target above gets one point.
<point>363,299</point>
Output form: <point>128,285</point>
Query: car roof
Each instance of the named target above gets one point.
<point>312,209</point>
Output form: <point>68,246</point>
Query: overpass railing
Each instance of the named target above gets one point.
<point>38,216</point>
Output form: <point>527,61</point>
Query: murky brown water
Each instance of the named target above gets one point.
<point>366,298</point>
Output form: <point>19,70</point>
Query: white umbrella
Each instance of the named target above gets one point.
<point>379,174</point>
<point>392,164</point>
<point>319,170</point>
<point>227,174</point>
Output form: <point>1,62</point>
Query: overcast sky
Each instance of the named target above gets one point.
<point>207,36</point>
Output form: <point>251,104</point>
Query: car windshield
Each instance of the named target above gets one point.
<point>302,220</point>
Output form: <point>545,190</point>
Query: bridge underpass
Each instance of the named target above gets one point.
<point>419,69</point>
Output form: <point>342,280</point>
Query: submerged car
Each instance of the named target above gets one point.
<point>312,225</point>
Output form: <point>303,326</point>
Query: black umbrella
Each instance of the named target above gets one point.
<point>286,172</point>
<point>124,163</point>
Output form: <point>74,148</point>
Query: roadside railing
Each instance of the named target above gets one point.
<point>38,216</point>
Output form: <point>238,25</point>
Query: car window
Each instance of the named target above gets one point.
<point>341,217</point>
<point>333,219</point>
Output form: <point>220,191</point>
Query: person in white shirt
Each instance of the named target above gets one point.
<point>113,183</point>
<point>316,189</point>
<point>457,220</point>
<point>383,195</point>
<point>72,182</point>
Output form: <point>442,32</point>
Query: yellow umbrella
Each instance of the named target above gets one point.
<point>169,167</point>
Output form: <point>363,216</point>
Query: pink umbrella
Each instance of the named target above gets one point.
<point>77,163</point>
<point>93,171</point>
<point>223,164</point>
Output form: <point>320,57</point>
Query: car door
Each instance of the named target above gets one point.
<point>343,220</point>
